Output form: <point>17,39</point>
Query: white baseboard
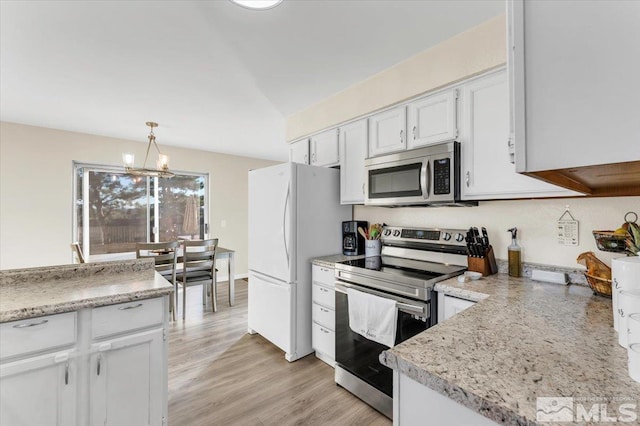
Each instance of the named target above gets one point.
<point>224,277</point>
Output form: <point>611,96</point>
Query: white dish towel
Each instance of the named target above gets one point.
<point>373,317</point>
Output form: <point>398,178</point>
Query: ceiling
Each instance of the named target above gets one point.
<point>216,76</point>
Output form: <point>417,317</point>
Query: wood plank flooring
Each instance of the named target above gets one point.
<point>220,375</point>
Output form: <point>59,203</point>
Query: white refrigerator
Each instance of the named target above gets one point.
<point>294,216</point>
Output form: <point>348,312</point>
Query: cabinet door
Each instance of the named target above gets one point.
<point>387,131</point>
<point>432,119</point>
<point>323,275</point>
<point>576,68</point>
<point>324,149</point>
<point>453,306</point>
<point>353,151</point>
<point>488,172</point>
<point>324,341</point>
<point>39,391</point>
<point>126,384</point>
<point>299,151</point>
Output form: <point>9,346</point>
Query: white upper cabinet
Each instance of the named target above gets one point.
<point>432,119</point>
<point>324,149</point>
<point>353,150</point>
<point>487,170</point>
<point>574,69</point>
<point>387,131</point>
<point>299,151</point>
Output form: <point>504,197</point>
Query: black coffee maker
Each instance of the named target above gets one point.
<point>352,241</point>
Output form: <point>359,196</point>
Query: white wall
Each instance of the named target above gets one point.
<point>36,170</point>
<point>472,52</point>
<point>469,53</point>
<point>535,219</point>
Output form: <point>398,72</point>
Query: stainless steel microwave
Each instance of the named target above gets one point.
<point>424,176</point>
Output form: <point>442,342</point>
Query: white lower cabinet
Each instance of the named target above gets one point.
<point>323,335</point>
<point>125,387</point>
<point>417,404</point>
<point>39,390</point>
<point>449,306</point>
<point>48,362</point>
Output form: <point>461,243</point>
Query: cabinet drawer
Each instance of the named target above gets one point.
<point>323,275</point>
<point>113,319</point>
<point>323,340</point>
<point>37,334</point>
<point>323,295</point>
<point>324,316</point>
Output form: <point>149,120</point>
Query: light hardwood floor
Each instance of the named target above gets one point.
<point>220,375</point>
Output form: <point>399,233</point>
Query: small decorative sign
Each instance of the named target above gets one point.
<point>567,229</point>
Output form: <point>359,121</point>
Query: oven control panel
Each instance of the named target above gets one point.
<point>453,237</point>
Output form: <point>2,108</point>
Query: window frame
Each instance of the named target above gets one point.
<point>89,167</point>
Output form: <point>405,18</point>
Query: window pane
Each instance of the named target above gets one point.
<point>118,212</point>
<point>181,205</point>
<point>78,207</point>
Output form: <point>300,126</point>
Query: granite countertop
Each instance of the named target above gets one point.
<point>33,292</point>
<point>330,261</point>
<point>527,339</point>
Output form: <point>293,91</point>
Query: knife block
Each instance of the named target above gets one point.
<point>485,265</point>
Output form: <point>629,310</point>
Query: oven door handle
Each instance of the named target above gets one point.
<point>405,307</point>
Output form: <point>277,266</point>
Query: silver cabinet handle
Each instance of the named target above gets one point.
<point>31,324</point>
<point>99,362</point>
<point>324,310</point>
<point>414,133</point>
<point>324,289</point>
<point>324,331</point>
<point>615,280</point>
<point>467,178</point>
<point>401,139</point>
<point>66,373</point>
<point>126,308</point>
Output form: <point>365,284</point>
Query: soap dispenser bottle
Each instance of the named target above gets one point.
<point>515,255</point>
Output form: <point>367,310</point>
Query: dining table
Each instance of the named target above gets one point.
<point>221,254</point>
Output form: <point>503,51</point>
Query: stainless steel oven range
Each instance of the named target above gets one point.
<point>412,261</point>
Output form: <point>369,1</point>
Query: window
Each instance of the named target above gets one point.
<point>113,211</point>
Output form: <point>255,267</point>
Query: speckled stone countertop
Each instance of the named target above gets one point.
<point>33,292</point>
<point>525,340</point>
<point>330,261</point>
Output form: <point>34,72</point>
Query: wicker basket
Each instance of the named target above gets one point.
<point>600,286</point>
<point>610,241</point>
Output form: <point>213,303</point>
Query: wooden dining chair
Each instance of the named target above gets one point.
<point>165,256</point>
<point>77,251</point>
<point>198,266</point>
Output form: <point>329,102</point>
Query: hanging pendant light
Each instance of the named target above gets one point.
<point>257,4</point>
<point>162,165</point>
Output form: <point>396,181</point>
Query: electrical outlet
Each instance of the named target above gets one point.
<point>548,276</point>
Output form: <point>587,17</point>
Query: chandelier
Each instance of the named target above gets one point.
<point>162,165</point>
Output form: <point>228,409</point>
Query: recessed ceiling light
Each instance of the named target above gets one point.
<point>257,4</point>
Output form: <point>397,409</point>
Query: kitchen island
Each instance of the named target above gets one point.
<point>80,344</point>
<point>526,340</point>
